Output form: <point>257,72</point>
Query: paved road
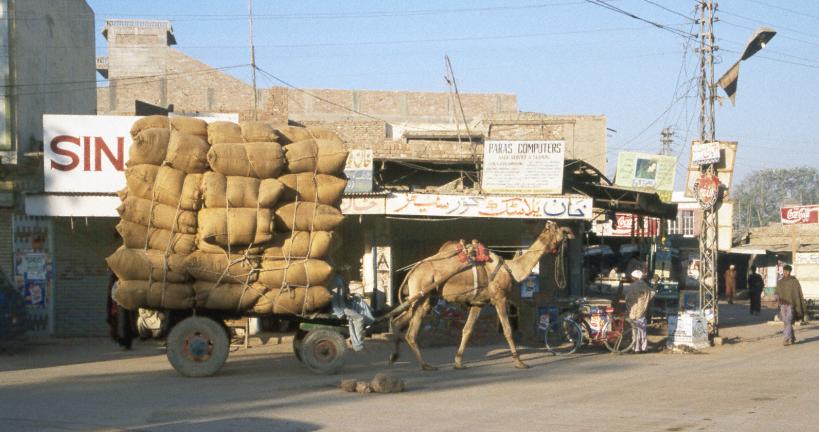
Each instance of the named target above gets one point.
<point>752,383</point>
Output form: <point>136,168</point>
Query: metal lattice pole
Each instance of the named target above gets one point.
<point>708,235</point>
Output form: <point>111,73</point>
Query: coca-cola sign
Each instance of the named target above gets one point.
<point>627,225</point>
<point>799,214</point>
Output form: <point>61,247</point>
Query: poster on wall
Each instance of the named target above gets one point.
<point>359,171</point>
<point>647,171</point>
<point>523,167</point>
<point>724,167</point>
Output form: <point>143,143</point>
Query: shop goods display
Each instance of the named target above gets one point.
<point>230,217</point>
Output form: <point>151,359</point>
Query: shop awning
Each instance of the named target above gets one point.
<point>749,249</point>
<point>72,204</point>
<point>583,178</point>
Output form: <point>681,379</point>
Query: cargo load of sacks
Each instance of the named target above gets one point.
<point>225,216</point>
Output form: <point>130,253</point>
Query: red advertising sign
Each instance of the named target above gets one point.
<point>627,225</point>
<point>707,189</point>
<point>799,214</point>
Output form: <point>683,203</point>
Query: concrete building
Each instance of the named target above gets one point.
<point>47,66</point>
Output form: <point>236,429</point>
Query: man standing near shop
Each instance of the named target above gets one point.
<point>637,300</point>
<point>755,287</point>
<point>791,302</point>
<point>730,283</point>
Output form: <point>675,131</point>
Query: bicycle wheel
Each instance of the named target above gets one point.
<point>563,337</point>
<point>618,335</point>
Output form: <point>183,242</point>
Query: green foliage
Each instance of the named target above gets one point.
<point>760,195</point>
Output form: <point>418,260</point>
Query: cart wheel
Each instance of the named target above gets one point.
<point>322,351</point>
<point>298,338</point>
<point>618,335</point>
<point>198,347</point>
<point>563,337</point>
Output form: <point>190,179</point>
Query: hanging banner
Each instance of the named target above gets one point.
<point>799,214</point>
<point>511,207</point>
<point>523,167</point>
<point>646,171</point>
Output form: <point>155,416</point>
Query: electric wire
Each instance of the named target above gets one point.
<point>621,11</point>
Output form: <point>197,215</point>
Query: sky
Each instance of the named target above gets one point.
<point>557,56</point>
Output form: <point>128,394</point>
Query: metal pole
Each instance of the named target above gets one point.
<point>253,60</point>
<point>708,235</point>
<point>666,139</point>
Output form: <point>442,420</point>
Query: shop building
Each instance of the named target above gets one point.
<point>47,66</point>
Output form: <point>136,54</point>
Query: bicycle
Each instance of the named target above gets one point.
<point>584,324</point>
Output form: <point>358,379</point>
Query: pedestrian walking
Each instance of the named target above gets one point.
<point>791,302</point>
<point>730,283</point>
<point>755,287</point>
<point>637,301</point>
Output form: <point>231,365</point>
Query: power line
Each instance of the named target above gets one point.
<point>669,10</point>
<point>327,101</point>
<point>793,11</point>
<point>131,82</point>
<point>807,65</point>
<point>414,41</point>
<point>371,14</point>
<point>60,83</point>
<point>616,9</point>
<point>768,23</point>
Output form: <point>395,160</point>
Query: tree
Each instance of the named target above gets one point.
<point>760,195</point>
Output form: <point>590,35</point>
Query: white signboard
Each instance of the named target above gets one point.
<point>523,167</point>
<point>705,153</point>
<point>87,153</point>
<point>807,258</point>
<point>363,205</point>
<point>524,207</point>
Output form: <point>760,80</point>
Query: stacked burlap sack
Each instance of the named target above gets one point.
<point>294,268</point>
<point>199,213</point>
<point>166,163</point>
<point>236,220</point>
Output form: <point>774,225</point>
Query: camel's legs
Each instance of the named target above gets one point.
<point>500,306</point>
<point>398,324</point>
<point>474,311</point>
<point>412,332</point>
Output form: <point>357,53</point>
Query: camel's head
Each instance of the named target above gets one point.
<point>555,234</point>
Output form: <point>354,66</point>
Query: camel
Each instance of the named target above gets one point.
<point>446,275</point>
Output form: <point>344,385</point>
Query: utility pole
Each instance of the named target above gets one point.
<point>253,60</point>
<point>666,139</point>
<point>708,236</point>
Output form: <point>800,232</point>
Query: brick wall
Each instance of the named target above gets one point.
<point>192,86</point>
<point>356,134</point>
<point>81,275</point>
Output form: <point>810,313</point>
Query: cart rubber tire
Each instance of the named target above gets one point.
<point>624,342</point>
<point>198,347</point>
<point>322,351</point>
<point>563,337</point>
<point>298,338</point>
